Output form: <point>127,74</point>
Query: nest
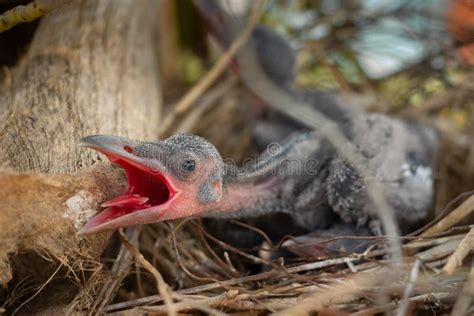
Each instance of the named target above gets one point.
<point>180,267</point>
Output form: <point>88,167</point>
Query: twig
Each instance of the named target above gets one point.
<point>465,297</point>
<point>228,269</point>
<point>254,229</point>
<point>337,294</point>
<point>39,290</point>
<point>163,288</point>
<point>231,282</point>
<point>464,248</point>
<point>403,306</point>
<point>440,214</point>
<point>424,243</point>
<point>203,105</point>
<point>219,67</point>
<point>180,262</point>
<point>430,298</point>
<point>229,262</point>
<point>453,218</point>
<point>436,264</point>
<point>439,251</point>
<point>250,257</point>
<point>197,304</point>
<point>120,269</point>
<point>226,246</point>
<point>247,306</point>
<point>27,13</point>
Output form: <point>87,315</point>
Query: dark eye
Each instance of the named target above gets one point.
<point>188,166</point>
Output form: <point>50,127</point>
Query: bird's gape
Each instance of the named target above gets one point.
<point>146,188</point>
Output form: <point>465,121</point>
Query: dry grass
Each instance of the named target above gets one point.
<point>196,272</point>
<point>363,283</point>
<point>181,268</point>
<point>205,274</point>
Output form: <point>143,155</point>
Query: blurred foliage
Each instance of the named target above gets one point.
<point>191,67</point>
<point>332,37</point>
<point>400,51</point>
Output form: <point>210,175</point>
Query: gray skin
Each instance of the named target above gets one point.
<point>312,176</point>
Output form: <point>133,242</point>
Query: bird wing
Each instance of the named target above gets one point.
<point>401,156</point>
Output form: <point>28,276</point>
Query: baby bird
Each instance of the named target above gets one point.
<point>185,176</point>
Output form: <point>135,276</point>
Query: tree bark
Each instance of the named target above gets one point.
<point>92,67</point>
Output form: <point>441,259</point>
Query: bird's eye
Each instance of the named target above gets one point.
<point>128,149</point>
<point>188,166</point>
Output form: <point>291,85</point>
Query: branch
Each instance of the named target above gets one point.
<point>27,13</point>
<point>189,98</point>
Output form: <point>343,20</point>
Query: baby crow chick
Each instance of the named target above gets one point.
<point>301,176</point>
<point>390,147</point>
<point>185,176</point>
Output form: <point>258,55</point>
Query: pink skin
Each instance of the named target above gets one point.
<point>152,195</point>
<point>155,194</point>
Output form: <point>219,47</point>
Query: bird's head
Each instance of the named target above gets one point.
<point>178,177</point>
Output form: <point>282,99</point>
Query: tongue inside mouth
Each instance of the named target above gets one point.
<point>127,201</point>
<point>146,188</point>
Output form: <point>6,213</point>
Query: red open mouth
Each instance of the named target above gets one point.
<point>147,188</point>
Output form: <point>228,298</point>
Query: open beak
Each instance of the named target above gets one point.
<point>150,193</point>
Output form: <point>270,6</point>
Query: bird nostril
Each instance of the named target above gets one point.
<point>128,149</point>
